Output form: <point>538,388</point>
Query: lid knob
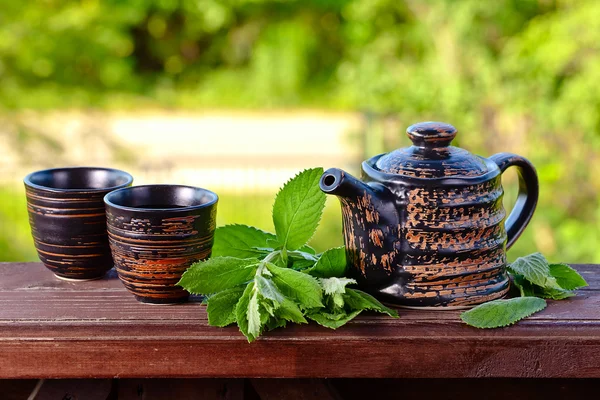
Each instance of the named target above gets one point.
<point>431,134</point>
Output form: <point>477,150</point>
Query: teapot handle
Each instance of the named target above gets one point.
<point>528,194</point>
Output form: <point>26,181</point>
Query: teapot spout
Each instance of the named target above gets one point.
<point>371,226</point>
<point>340,183</point>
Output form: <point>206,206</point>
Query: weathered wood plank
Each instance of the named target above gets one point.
<point>57,329</point>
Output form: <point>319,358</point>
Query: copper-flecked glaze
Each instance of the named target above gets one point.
<point>156,232</point>
<point>426,226</point>
<point>67,218</point>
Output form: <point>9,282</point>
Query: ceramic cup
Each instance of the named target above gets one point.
<point>156,232</point>
<point>68,221</point>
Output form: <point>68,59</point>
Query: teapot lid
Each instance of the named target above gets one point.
<point>431,155</point>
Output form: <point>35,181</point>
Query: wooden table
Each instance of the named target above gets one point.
<point>50,328</point>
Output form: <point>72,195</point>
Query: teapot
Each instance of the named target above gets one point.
<point>425,226</point>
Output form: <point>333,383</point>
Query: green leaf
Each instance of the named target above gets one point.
<point>302,255</point>
<point>297,286</point>
<point>335,285</point>
<point>267,289</point>
<point>566,277</point>
<point>525,287</point>
<point>288,310</point>
<point>307,249</point>
<point>535,269</point>
<point>359,300</point>
<point>499,313</point>
<point>221,306</point>
<point>300,260</point>
<point>273,242</point>
<point>216,274</point>
<point>254,320</point>
<point>328,322</point>
<point>332,263</point>
<point>529,289</point>
<point>274,323</point>
<point>240,241</point>
<point>241,311</point>
<point>554,294</point>
<point>298,208</point>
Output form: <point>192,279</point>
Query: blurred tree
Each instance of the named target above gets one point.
<point>512,75</point>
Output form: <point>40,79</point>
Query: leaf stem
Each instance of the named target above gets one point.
<point>272,256</point>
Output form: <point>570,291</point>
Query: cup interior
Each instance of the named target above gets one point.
<point>80,178</point>
<point>160,197</point>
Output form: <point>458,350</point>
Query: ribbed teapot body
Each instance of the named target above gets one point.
<point>450,246</point>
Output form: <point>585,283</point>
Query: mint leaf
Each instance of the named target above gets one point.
<point>274,323</point>
<point>499,313</point>
<point>288,310</point>
<point>357,299</point>
<point>335,285</point>
<point>273,242</point>
<point>554,294</point>
<point>241,311</point>
<point>333,321</point>
<point>307,249</point>
<point>525,287</point>
<point>221,306</point>
<point>566,277</point>
<point>298,208</point>
<point>240,241</point>
<point>302,255</point>
<point>267,289</point>
<point>254,320</point>
<point>297,286</point>
<point>332,263</point>
<point>216,274</point>
<point>535,269</point>
<point>300,260</point>
<point>529,289</point>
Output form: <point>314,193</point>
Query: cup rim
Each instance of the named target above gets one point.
<point>29,183</point>
<point>109,203</point>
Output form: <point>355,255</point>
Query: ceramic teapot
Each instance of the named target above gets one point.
<point>426,227</point>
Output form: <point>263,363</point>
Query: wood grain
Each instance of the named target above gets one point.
<point>56,329</point>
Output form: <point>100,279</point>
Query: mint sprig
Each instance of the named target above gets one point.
<point>297,211</point>
<point>536,280</point>
<point>262,281</point>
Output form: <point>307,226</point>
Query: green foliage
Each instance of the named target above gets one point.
<point>499,313</point>
<point>535,269</point>
<point>16,243</point>
<point>331,263</point>
<point>511,75</point>
<point>217,274</point>
<point>536,280</point>
<point>240,241</point>
<point>297,286</point>
<point>297,213</point>
<point>260,295</point>
<point>566,277</point>
<point>221,306</point>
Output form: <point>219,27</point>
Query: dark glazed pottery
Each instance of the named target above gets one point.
<point>426,226</point>
<point>67,218</point>
<point>156,232</point>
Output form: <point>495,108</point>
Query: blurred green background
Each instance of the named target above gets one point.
<point>512,75</point>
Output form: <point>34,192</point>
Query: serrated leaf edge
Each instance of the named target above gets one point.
<point>320,215</point>
<point>509,323</point>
